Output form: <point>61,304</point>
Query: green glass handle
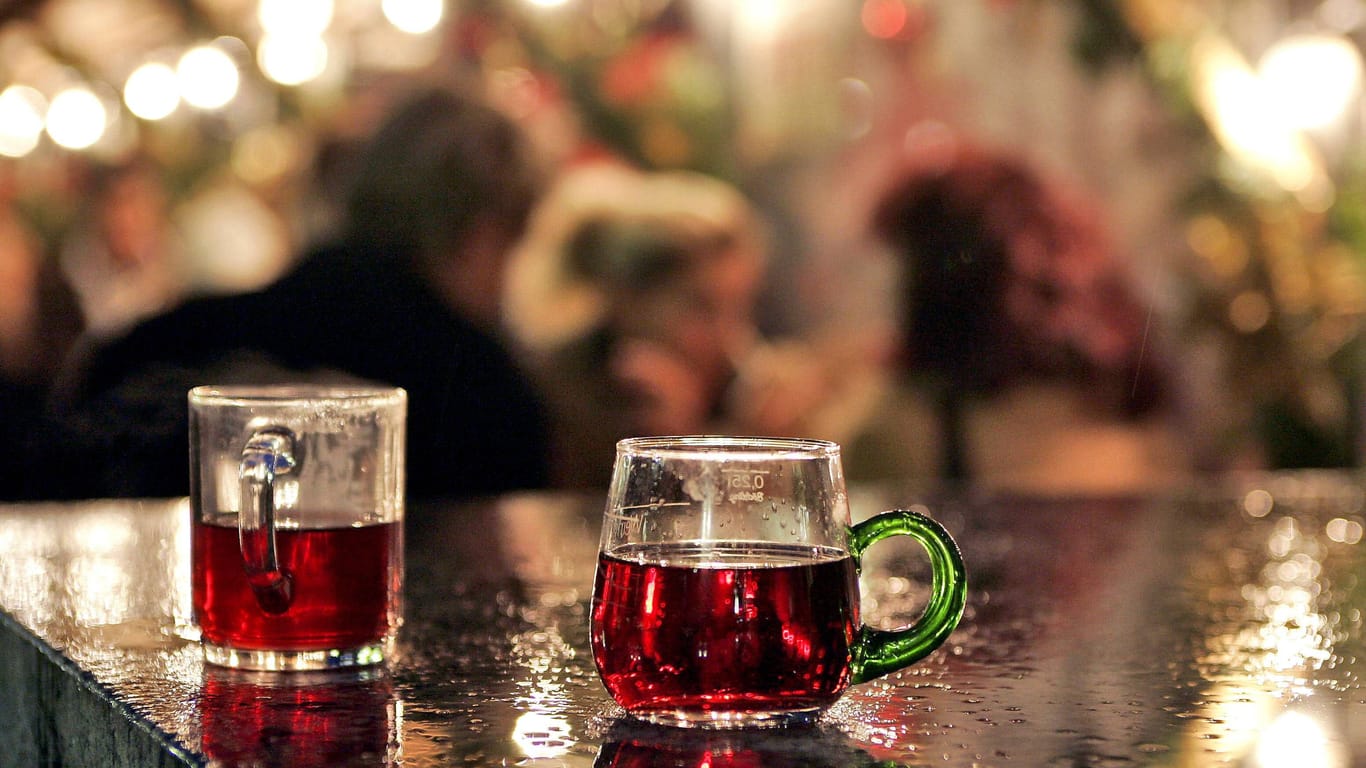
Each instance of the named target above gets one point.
<point>878,652</point>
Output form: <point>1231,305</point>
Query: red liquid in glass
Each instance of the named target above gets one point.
<point>724,627</point>
<point>344,582</point>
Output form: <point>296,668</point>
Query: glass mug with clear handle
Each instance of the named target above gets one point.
<point>297,535</point>
<point>727,591</point>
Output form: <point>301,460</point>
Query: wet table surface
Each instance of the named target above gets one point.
<point>1218,626</point>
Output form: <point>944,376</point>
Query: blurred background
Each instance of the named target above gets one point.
<point>156,149</point>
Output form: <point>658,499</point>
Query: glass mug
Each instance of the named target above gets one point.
<point>297,537</point>
<point>727,591</point>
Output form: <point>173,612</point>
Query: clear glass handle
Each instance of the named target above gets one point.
<point>878,652</point>
<point>270,452</point>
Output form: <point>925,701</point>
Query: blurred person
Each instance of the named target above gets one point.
<point>40,317</point>
<point>1027,361</point>
<point>123,256</point>
<point>40,321</point>
<point>405,293</point>
<point>637,297</point>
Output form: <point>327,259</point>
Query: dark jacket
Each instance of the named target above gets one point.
<point>475,426</point>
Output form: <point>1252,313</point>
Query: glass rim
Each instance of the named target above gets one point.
<point>706,446</point>
<point>296,395</point>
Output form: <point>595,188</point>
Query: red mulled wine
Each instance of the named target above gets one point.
<point>343,588</point>
<point>724,627</point>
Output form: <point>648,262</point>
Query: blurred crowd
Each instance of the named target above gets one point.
<point>537,313</point>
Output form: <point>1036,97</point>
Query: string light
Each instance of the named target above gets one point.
<point>416,17</point>
<point>292,59</point>
<point>152,92</point>
<point>21,120</point>
<point>208,77</point>
<point>76,118</point>
<point>295,17</point>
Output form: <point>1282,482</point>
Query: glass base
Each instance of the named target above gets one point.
<point>730,719</point>
<point>288,661</point>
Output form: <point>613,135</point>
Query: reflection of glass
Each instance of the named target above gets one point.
<point>643,746</point>
<point>300,720</point>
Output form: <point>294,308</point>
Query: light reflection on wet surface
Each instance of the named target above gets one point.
<point>1220,628</point>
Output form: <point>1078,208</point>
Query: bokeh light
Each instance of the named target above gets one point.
<point>1258,502</point>
<point>266,155</point>
<point>1313,79</point>
<point>76,119</point>
<point>857,103</point>
<point>1295,738</point>
<point>152,92</point>
<point>302,17</point>
<point>884,19</point>
<point>1249,311</point>
<point>1250,125</point>
<point>415,17</point>
<point>1344,531</point>
<point>292,59</point>
<point>208,77</point>
<point>21,120</point>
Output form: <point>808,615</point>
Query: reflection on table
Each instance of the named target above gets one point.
<point>1222,626</point>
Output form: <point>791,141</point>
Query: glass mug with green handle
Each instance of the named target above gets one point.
<point>296,553</point>
<point>727,591</point>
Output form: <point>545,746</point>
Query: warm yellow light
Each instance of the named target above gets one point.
<point>309,17</point>
<point>1344,531</point>
<point>1249,125</point>
<point>542,736</point>
<point>1258,503</point>
<point>152,91</point>
<point>1312,79</point>
<point>266,154</point>
<point>208,77</point>
<point>762,18</point>
<point>1295,738</point>
<point>21,120</point>
<point>415,17</point>
<point>76,119</point>
<point>1249,311</point>
<point>1244,116</point>
<point>292,59</point>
